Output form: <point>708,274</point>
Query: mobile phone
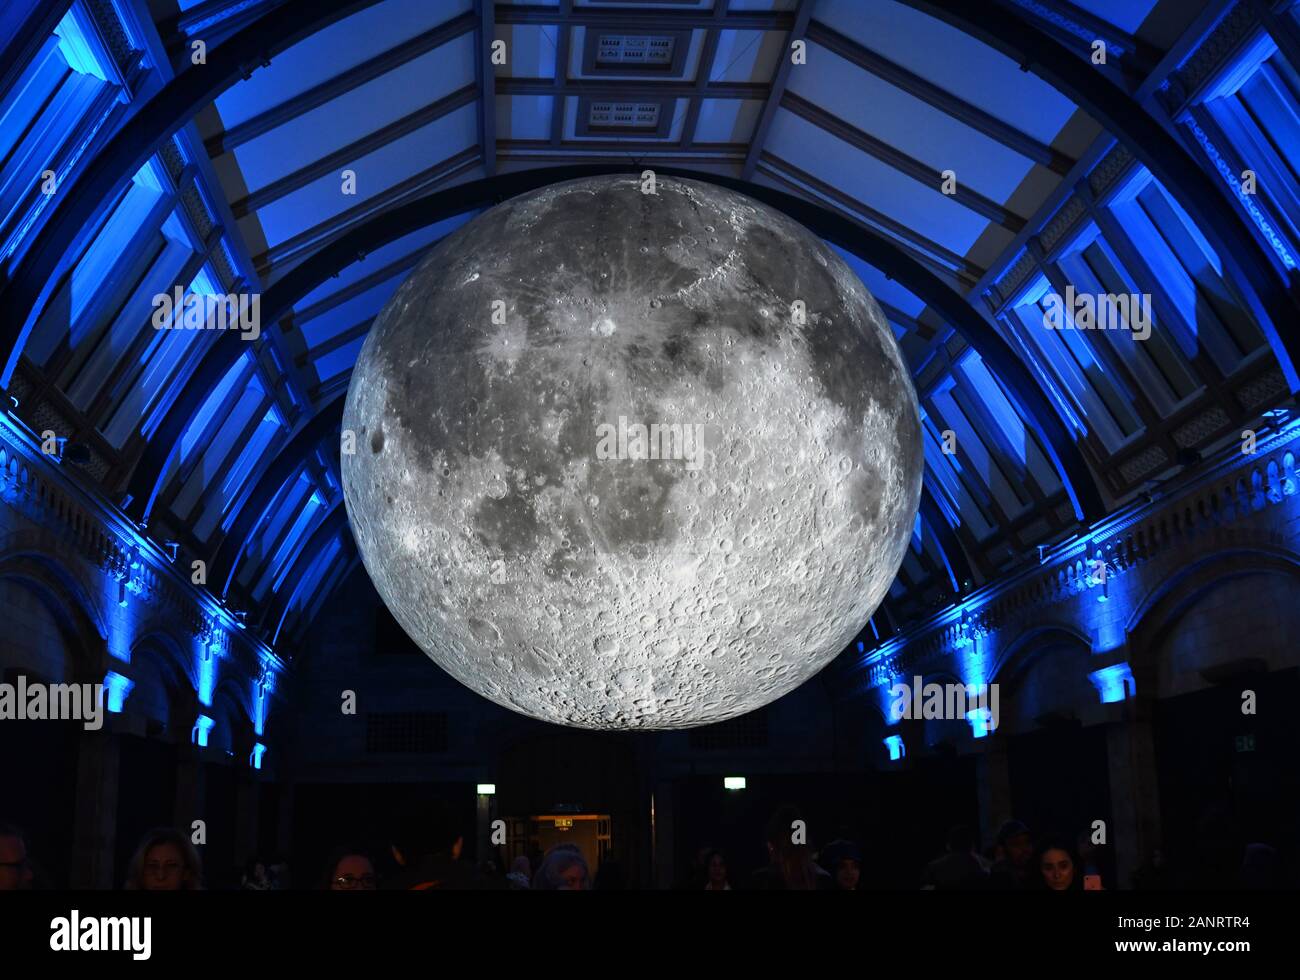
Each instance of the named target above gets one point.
<point>1092,883</point>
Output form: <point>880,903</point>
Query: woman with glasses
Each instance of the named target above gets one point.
<point>165,861</point>
<point>351,871</point>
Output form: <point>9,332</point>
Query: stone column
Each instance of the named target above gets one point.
<point>95,824</point>
<point>99,752</point>
<point>248,794</point>
<point>483,825</point>
<point>189,788</point>
<point>284,830</point>
<point>185,707</point>
<point>1134,790</point>
<point>248,798</point>
<point>993,777</point>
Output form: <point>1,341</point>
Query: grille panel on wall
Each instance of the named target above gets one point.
<point>746,732</point>
<point>406,732</point>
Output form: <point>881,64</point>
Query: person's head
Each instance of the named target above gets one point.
<point>165,861</point>
<point>521,866</point>
<point>843,859</point>
<point>425,831</point>
<point>715,869</point>
<point>1057,863</point>
<point>1015,843</point>
<point>351,871</point>
<point>15,871</point>
<point>794,860</point>
<point>255,869</point>
<point>563,869</point>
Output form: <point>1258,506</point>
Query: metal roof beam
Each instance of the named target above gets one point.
<point>562,31</point>
<point>1245,260</point>
<point>798,27</point>
<point>486,77</point>
<point>943,100</point>
<point>871,247</point>
<point>703,69</point>
<point>631,88</point>
<point>71,223</point>
<point>338,85</point>
<point>276,190</point>
<point>652,21</point>
<point>922,173</point>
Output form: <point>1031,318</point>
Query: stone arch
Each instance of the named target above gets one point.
<point>1043,674</point>
<point>1164,603</point>
<point>927,734</point>
<point>1160,612</point>
<point>64,597</point>
<point>232,731</point>
<point>238,690</point>
<point>1017,656</point>
<point>165,689</point>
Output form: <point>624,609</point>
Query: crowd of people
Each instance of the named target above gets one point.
<point>1015,861</point>
<point>425,850</point>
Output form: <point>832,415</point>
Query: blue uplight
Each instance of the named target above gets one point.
<point>203,726</point>
<point>896,747</point>
<point>1114,683</point>
<point>255,759</point>
<point>116,688</point>
<point>980,721</point>
<point>207,671</point>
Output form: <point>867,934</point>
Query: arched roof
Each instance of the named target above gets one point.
<point>968,160</point>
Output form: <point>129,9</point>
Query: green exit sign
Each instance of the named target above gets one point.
<point>1245,743</point>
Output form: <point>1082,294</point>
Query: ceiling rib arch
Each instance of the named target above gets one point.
<point>873,249</point>
<point>304,442</point>
<point>334,523</point>
<point>34,279</point>
<point>1147,139</point>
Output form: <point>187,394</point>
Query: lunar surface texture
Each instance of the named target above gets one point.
<point>630,460</point>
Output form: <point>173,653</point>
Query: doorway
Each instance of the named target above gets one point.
<point>534,836</point>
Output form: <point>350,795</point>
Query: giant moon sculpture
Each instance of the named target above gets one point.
<point>629,460</point>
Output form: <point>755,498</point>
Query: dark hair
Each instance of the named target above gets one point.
<point>1012,828</point>
<point>558,860</point>
<point>704,870</point>
<point>193,880</point>
<point>839,850</point>
<point>1057,842</point>
<point>794,861</point>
